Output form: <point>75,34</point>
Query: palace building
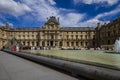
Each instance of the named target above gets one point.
<point>54,35</point>
<point>51,34</point>
<point>107,34</point>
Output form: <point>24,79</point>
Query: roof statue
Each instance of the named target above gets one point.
<point>52,19</point>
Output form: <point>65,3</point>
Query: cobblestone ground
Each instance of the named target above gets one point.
<point>98,56</point>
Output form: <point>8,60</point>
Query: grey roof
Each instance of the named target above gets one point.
<point>52,19</point>
<point>64,28</point>
<point>78,28</point>
<point>26,29</point>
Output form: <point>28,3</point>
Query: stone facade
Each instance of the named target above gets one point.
<point>107,34</point>
<point>51,34</point>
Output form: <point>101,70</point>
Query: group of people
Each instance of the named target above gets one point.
<point>16,48</point>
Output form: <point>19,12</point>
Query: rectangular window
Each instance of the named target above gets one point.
<point>3,35</point>
<point>23,43</point>
<point>81,43</point>
<point>67,43</point>
<point>76,36</point>
<point>76,43</point>
<point>85,36</point>
<point>72,43</point>
<point>86,43</point>
<point>37,36</point>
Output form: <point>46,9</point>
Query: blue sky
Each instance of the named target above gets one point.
<point>72,13</point>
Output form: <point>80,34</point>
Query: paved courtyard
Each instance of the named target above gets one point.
<point>85,55</point>
<point>16,68</point>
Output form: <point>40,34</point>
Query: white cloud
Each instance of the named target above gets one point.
<point>96,19</point>
<point>113,12</point>
<point>11,24</point>
<point>3,24</point>
<point>71,19</point>
<point>14,8</point>
<point>92,23</point>
<point>52,2</point>
<point>109,2</point>
<point>42,9</point>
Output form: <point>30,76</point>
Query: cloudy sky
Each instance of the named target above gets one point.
<point>72,13</point>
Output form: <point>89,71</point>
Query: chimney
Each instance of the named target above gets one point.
<point>47,18</point>
<point>58,19</point>
<point>119,18</point>
<point>111,21</point>
<point>98,25</point>
<point>105,24</point>
<point>7,25</point>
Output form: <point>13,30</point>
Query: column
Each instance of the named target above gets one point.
<point>58,44</point>
<point>53,43</point>
<point>34,43</point>
<point>70,44</point>
<point>30,43</point>
<point>63,43</point>
<point>26,43</point>
<point>79,44</point>
<point>84,44</point>
<point>74,44</point>
<point>40,43</point>
<point>45,43</point>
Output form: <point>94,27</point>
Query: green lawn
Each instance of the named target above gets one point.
<point>84,55</point>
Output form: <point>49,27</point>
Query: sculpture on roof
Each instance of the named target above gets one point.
<point>52,19</point>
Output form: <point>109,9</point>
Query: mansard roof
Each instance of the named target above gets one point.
<point>52,19</point>
<point>78,28</point>
<point>64,28</point>
<point>26,29</point>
